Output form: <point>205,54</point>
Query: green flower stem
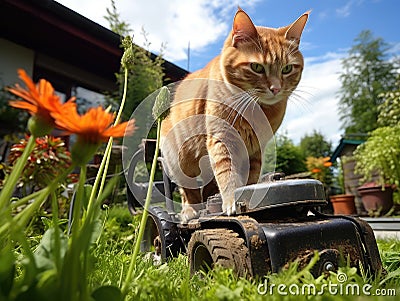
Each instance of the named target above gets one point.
<point>10,183</point>
<point>20,236</point>
<point>78,202</point>
<point>107,156</point>
<point>7,214</point>
<point>103,168</point>
<point>25,199</point>
<point>145,214</point>
<point>123,100</point>
<point>99,176</point>
<point>70,286</point>
<point>22,218</point>
<point>27,213</point>
<point>57,241</point>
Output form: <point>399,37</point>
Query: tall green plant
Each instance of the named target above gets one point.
<point>58,268</point>
<point>380,154</point>
<point>389,110</point>
<point>145,75</point>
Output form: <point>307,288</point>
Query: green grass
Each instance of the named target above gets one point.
<point>172,280</point>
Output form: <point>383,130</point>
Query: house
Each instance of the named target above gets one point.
<point>51,41</point>
<point>48,40</point>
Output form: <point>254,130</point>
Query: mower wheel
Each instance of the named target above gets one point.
<point>210,247</point>
<point>161,235</point>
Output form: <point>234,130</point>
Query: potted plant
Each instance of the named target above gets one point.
<point>377,200</point>
<point>320,170</point>
<point>378,162</point>
<point>343,203</point>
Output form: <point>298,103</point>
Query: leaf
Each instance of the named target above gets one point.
<point>44,254</point>
<point>107,293</point>
<point>47,284</point>
<point>87,191</point>
<point>107,190</point>
<point>46,222</point>
<point>7,271</point>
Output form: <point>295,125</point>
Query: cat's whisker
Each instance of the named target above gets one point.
<point>233,107</point>
<point>245,100</point>
<point>248,101</point>
<point>307,95</point>
<point>239,106</point>
<point>300,101</point>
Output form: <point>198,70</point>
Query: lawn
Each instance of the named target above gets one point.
<point>172,280</point>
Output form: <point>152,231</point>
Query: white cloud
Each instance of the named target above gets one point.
<point>316,106</point>
<point>203,22</point>
<point>394,49</point>
<point>173,22</point>
<point>345,10</point>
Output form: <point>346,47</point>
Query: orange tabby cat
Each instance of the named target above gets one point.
<point>263,66</point>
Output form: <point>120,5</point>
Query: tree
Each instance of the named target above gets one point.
<point>289,158</point>
<point>114,20</point>
<point>367,73</point>
<point>317,150</point>
<point>315,145</point>
<point>145,74</point>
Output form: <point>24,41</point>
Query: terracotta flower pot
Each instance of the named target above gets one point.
<point>374,198</point>
<point>343,204</point>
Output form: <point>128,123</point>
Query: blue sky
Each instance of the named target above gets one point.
<point>329,34</point>
<point>332,26</point>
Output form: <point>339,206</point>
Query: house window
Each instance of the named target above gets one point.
<point>86,98</point>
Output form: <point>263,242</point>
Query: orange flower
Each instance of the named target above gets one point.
<point>327,163</point>
<point>316,170</point>
<point>94,127</point>
<point>40,101</point>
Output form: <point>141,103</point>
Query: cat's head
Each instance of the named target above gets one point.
<point>265,61</point>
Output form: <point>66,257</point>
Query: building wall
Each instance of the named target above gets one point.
<point>12,57</point>
<point>65,78</point>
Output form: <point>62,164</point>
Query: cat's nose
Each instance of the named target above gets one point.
<point>275,90</point>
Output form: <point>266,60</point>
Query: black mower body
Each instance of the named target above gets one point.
<point>276,222</point>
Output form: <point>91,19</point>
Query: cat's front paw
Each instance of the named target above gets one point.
<point>228,206</point>
<point>188,213</point>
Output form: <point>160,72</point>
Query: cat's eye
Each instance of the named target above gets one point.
<point>287,69</point>
<point>257,68</point>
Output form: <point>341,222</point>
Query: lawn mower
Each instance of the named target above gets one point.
<point>277,221</point>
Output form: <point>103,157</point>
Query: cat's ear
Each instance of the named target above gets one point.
<point>295,30</point>
<point>243,28</point>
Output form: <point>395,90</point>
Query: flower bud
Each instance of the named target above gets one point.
<point>128,57</point>
<point>39,126</point>
<point>162,104</point>
<point>83,151</point>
